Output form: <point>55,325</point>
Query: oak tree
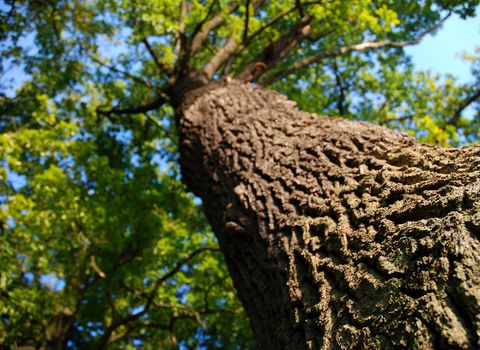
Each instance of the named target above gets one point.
<point>338,234</point>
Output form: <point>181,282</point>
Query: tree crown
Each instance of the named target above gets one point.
<point>97,233</point>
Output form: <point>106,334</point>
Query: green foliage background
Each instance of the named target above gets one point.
<point>100,245</point>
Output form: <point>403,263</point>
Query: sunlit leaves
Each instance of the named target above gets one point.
<point>90,224</point>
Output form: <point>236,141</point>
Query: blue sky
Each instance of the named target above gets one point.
<point>441,53</point>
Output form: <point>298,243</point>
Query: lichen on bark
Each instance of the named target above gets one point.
<point>337,234</point>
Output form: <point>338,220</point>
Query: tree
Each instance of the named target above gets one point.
<point>337,234</point>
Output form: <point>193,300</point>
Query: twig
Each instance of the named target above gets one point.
<point>339,80</point>
<point>152,120</point>
<point>127,74</point>
<point>105,338</point>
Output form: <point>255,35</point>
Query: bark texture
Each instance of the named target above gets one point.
<point>338,234</point>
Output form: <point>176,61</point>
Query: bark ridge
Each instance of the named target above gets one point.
<point>338,234</point>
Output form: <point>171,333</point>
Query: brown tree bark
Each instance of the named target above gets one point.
<point>338,234</point>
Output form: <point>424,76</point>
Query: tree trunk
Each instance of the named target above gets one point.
<point>337,234</point>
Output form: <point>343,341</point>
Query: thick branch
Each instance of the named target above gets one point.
<point>233,43</point>
<point>221,56</point>
<point>370,45</point>
<point>205,27</point>
<point>276,51</point>
<point>198,36</point>
<point>180,35</point>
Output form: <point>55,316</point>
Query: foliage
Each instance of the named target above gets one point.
<point>96,233</point>
<point>100,245</point>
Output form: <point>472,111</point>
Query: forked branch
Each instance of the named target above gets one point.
<point>203,28</point>
<point>233,43</point>
<point>106,338</point>
<point>369,45</point>
<point>276,51</point>
<point>199,34</point>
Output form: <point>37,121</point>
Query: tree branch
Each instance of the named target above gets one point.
<point>369,45</point>
<point>206,293</point>
<point>245,39</point>
<point>299,7</point>
<point>95,268</point>
<point>198,36</point>
<point>276,51</point>
<point>201,31</point>
<point>119,336</point>
<point>191,311</point>
<point>221,56</point>
<point>183,261</point>
<point>157,103</point>
<point>259,31</point>
<point>161,67</point>
<point>268,25</point>
<point>152,120</point>
<point>127,74</point>
<point>228,50</point>
<point>180,35</point>
<point>247,17</point>
<point>273,21</point>
<point>232,44</point>
<point>149,296</point>
<point>467,102</point>
<point>339,80</point>
<point>158,62</point>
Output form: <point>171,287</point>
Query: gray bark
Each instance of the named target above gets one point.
<point>337,234</point>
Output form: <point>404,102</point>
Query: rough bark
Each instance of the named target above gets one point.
<point>338,234</point>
